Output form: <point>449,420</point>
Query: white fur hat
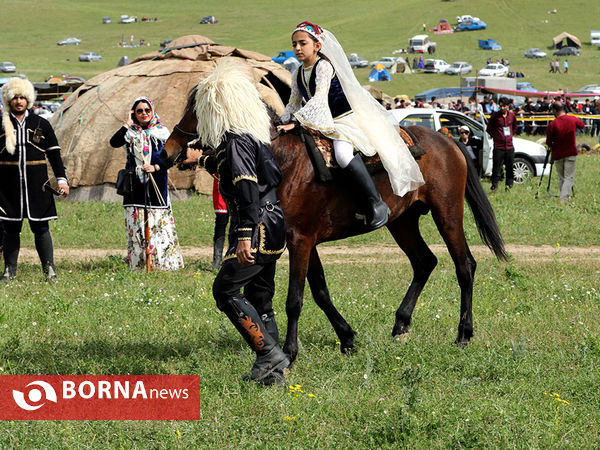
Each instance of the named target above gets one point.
<point>15,86</point>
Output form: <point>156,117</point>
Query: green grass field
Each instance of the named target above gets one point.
<point>371,29</point>
<point>529,379</point>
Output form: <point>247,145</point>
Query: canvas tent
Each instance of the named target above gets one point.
<point>379,73</point>
<point>444,27</point>
<point>565,39</point>
<point>92,114</point>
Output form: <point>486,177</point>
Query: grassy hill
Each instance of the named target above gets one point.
<point>371,29</point>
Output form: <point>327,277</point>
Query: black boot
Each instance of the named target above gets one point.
<point>271,326</point>
<point>379,211</point>
<point>45,249</point>
<point>217,252</point>
<point>270,359</point>
<point>10,250</point>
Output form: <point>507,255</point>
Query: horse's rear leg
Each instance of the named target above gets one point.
<point>299,257</point>
<point>405,231</point>
<point>318,287</point>
<point>449,222</point>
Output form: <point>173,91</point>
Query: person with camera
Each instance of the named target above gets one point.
<point>144,185</point>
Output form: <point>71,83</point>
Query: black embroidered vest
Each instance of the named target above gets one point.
<point>338,103</point>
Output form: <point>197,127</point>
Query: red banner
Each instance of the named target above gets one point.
<point>100,397</point>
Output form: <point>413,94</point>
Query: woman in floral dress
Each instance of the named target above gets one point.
<point>144,136</point>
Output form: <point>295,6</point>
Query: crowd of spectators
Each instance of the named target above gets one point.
<point>526,113</point>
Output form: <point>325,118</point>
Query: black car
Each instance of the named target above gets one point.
<point>566,51</point>
<point>209,19</point>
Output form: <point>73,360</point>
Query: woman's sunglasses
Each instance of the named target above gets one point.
<point>146,110</point>
<point>464,132</point>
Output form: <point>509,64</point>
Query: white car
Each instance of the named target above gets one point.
<point>90,56</point>
<point>529,156</point>
<point>435,66</point>
<point>458,68</point>
<point>494,70</point>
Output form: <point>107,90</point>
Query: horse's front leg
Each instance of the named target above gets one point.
<point>318,287</point>
<point>299,251</point>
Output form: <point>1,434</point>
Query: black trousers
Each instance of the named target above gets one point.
<point>506,158</point>
<point>257,280</point>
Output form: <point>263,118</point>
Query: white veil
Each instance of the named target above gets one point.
<point>373,119</point>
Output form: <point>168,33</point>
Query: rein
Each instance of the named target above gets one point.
<point>184,133</point>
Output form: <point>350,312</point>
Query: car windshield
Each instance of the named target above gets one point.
<point>424,120</point>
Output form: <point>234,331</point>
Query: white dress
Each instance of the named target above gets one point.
<point>367,127</point>
<point>315,114</point>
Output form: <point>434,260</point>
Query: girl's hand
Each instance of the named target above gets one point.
<point>287,127</point>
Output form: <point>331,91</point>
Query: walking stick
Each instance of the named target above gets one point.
<point>550,194</point>
<point>146,227</point>
<point>543,171</point>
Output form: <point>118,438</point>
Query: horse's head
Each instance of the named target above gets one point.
<point>183,132</point>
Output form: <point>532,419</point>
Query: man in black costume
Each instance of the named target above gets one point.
<point>26,141</point>
<point>233,121</point>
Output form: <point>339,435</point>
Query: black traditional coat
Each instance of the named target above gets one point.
<point>24,173</point>
<point>248,176</point>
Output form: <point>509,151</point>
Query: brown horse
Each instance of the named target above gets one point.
<point>319,212</point>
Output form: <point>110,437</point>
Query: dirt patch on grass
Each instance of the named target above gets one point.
<point>344,254</point>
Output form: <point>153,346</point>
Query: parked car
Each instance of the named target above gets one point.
<point>69,41</point>
<point>435,66</point>
<point>529,155</point>
<point>588,89</point>
<point>208,19</point>
<point>489,44</point>
<point>284,56</point>
<point>90,56</point>
<point>473,24</point>
<point>535,53</point>
<point>494,70</point>
<point>7,67</point>
<point>526,86</point>
<point>127,19</point>
<point>421,44</point>
<point>106,19</point>
<point>566,51</point>
<point>356,61</point>
<point>459,67</point>
<point>385,61</point>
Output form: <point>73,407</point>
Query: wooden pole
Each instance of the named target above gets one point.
<point>147,239</point>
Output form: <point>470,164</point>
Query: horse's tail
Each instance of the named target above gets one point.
<point>482,209</point>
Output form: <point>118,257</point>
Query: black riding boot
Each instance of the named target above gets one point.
<point>271,326</point>
<point>270,359</point>
<point>45,249</point>
<point>10,251</point>
<point>379,211</point>
<point>217,252</point>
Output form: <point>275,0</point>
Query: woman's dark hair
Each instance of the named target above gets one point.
<point>135,105</point>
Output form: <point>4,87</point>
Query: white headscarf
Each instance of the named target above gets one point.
<point>372,118</point>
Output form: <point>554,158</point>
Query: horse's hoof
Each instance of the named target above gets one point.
<point>399,329</point>
<point>348,349</point>
<point>402,338</point>
<point>291,354</point>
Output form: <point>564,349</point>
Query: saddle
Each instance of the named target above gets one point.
<point>320,150</point>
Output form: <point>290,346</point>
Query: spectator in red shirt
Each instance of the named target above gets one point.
<point>502,126</point>
<point>560,138</point>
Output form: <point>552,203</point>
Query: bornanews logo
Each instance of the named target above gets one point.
<point>100,397</point>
